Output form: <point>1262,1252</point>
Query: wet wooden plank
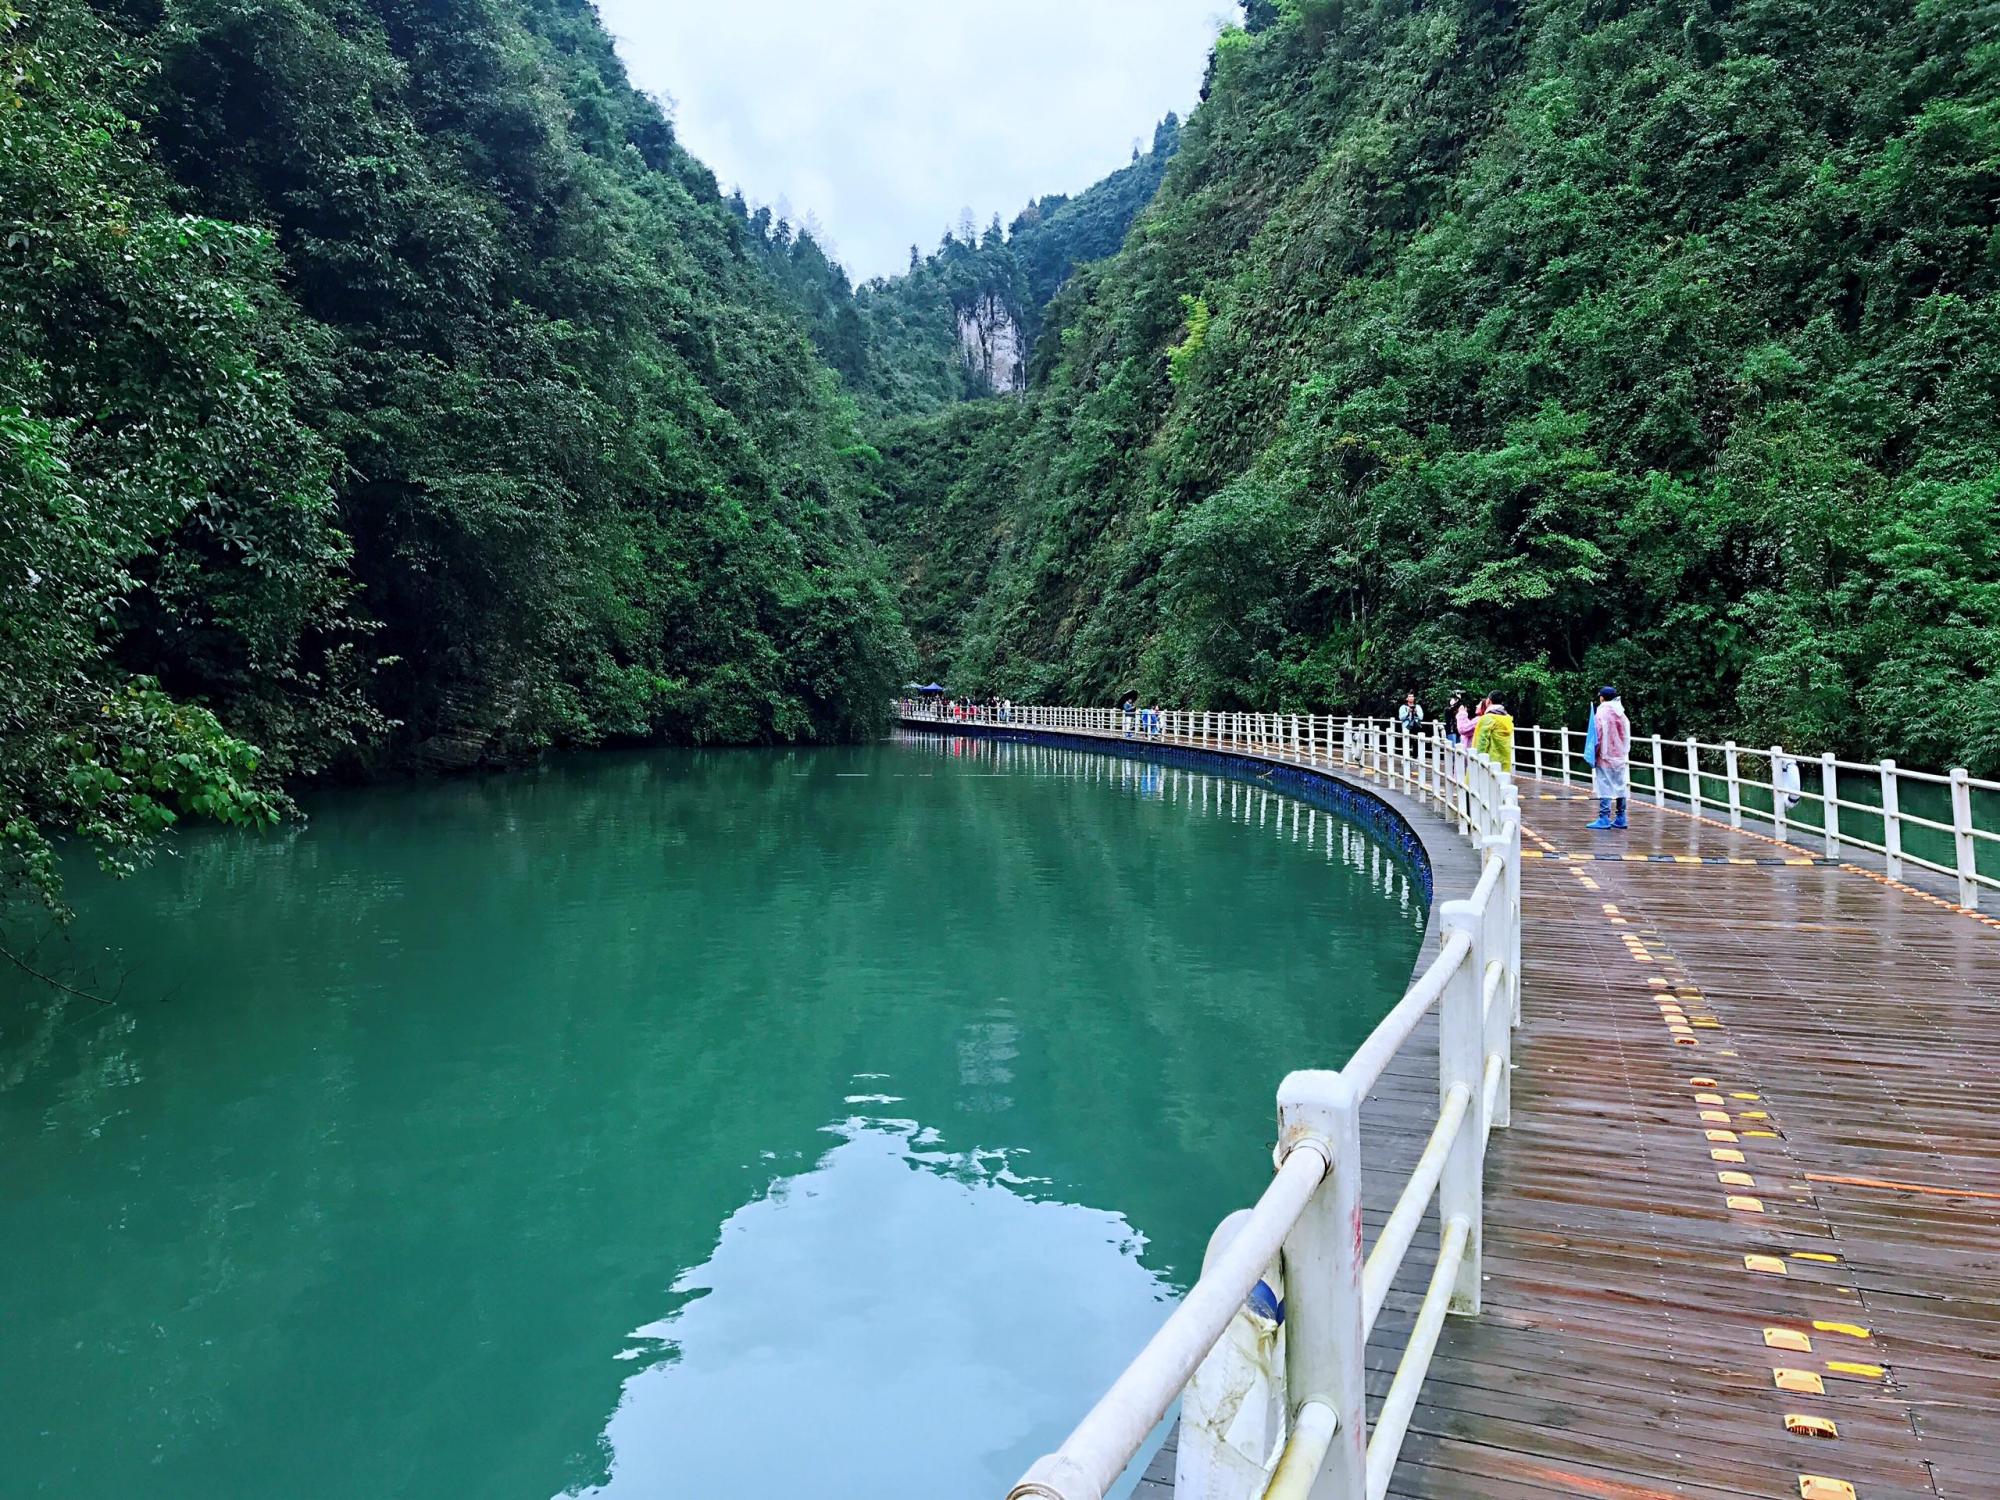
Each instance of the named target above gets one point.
<point>1866,1020</point>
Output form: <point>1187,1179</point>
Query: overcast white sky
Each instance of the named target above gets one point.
<point>886,118</point>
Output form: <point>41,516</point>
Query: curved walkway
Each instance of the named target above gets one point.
<point>1743,1236</point>
<point>1753,1176</point>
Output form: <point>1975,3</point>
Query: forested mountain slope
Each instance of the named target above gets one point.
<point>958,325</point>
<point>1476,344</point>
<point>381,383</point>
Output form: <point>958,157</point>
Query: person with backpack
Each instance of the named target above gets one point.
<point>1607,750</point>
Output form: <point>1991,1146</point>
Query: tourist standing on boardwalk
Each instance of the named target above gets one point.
<point>1457,722</point>
<point>1494,735</point>
<point>1410,713</point>
<point>1607,749</point>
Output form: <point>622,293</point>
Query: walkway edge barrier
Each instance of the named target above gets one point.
<point>1801,796</point>
<point>1310,1216</point>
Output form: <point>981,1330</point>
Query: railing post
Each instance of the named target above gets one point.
<point>1961,834</point>
<point>1513,804</point>
<point>1659,774</point>
<point>1694,774</point>
<point>1535,747</point>
<point>1829,795</point>
<point>1730,769</point>
<point>1892,821</point>
<point>1324,1343</point>
<point>1462,1063</point>
<point>1496,1023</point>
<point>1777,793</point>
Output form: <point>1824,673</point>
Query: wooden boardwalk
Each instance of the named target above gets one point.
<point>1743,1237</point>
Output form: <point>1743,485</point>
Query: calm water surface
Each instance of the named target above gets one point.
<point>682,1125</point>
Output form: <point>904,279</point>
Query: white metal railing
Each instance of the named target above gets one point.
<point>1309,1218</point>
<point>1944,822</point>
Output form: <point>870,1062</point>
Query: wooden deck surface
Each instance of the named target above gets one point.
<point>1851,1031</point>
<point>1828,1040</point>
<point>1755,1141</point>
<point>1753,1176</point>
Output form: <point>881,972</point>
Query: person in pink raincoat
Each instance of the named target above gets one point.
<point>1608,749</point>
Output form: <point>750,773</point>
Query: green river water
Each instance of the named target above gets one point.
<point>760,1124</point>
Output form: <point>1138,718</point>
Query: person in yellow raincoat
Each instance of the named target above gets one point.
<point>1495,734</point>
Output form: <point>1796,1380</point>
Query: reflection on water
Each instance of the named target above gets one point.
<point>824,1123</point>
<point>1237,799</point>
<point>892,1256</point>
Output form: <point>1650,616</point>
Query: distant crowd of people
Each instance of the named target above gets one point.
<point>1489,730</point>
<point>993,710</point>
<point>1486,727</point>
<point>1145,722</point>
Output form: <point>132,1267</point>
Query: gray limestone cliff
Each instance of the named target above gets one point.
<point>990,342</point>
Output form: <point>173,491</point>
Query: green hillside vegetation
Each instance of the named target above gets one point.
<point>1528,347</point>
<point>1054,235</point>
<point>382,385</point>
<point>935,516</point>
<point>895,340</point>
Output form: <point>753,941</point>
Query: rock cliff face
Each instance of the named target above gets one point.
<point>990,342</point>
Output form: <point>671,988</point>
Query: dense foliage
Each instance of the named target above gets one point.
<point>381,383</point>
<point>935,515</point>
<point>1482,344</point>
<point>164,511</point>
<point>1054,235</point>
